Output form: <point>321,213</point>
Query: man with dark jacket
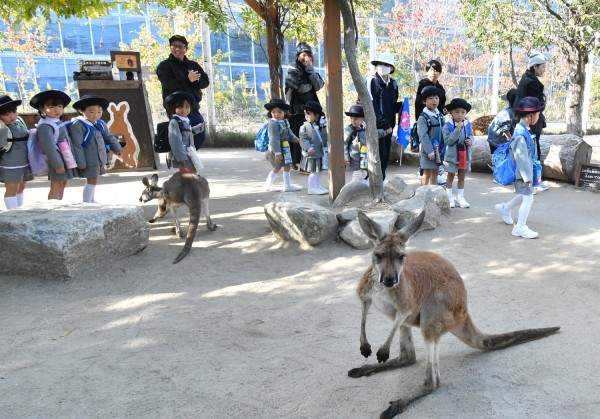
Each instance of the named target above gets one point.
<point>302,82</point>
<point>179,74</point>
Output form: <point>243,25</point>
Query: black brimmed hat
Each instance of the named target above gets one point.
<point>173,97</point>
<point>529,104</point>
<point>7,104</point>
<point>277,103</point>
<point>38,100</point>
<point>90,100</point>
<point>313,106</point>
<point>356,110</point>
<point>458,103</point>
<point>430,91</point>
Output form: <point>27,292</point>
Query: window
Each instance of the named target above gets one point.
<point>106,35</point>
<point>76,36</point>
<point>53,33</point>
<point>260,56</point>
<point>248,71</point>
<point>130,26</point>
<point>218,41</point>
<point>50,74</point>
<point>241,48</point>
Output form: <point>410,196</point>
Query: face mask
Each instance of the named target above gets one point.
<point>383,70</point>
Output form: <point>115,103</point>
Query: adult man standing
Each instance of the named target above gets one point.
<point>179,74</point>
<point>302,82</point>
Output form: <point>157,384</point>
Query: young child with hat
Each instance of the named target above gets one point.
<point>429,128</point>
<point>14,166</point>
<point>355,143</point>
<point>280,137</point>
<point>90,136</point>
<point>51,132</point>
<point>522,150</point>
<point>458,138</point>
<point>183,155</point>
<point>313,141</point>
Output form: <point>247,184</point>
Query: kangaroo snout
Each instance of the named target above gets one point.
<point>389,281</point>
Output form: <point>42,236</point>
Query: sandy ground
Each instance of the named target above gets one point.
<point>247,327</point>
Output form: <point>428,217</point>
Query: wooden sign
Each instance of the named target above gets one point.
<point>588,176</point>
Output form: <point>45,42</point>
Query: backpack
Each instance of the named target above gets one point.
<point>38,162</point>
<point>87,136</point>
<point>415,142</point>
<point>503,166</point>
<point>261,143</point>
<point>10,140</point>
<point>161,138</point>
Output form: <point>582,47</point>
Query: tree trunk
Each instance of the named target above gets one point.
<point>577,59</point>
<point>374,163</point>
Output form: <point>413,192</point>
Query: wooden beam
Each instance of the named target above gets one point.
<point>335,104</point>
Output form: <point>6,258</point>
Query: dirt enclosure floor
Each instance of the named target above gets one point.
<point>248,327</point>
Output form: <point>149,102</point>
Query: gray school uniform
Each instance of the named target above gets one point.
<point>312,136</point>
<point>45,134</point>
<point>521,155</point>
<point>179,140</point>
<point>14,166</point>
<point>354,138</point>
<point>92,156</point>
<point>452,140</point>
<point>280,137</point>
<point>427,136</point>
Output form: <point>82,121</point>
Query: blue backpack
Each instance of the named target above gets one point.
<point>262,139</point>
<point>503,164</point>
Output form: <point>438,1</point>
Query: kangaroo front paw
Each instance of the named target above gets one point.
<point>383,354</point>
<point>152,220</point>
<point>365,350</point>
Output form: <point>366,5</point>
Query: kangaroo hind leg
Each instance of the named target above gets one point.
<point>206,210</point>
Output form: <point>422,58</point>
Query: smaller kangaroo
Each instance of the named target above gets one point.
<point>181,189</point>
<point>419,289</point>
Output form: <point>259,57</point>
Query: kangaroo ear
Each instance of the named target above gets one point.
<point>154,179</point>
<point>370,227</point>
<point>412,227</point>
<point>145,181</point>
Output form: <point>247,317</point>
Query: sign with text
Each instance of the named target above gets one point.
<point>588,176</point>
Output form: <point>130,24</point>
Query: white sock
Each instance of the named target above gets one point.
<point>460,193</point>
<point>11,202</point>
<point>449,192</point>
<point>270,179</point>
<point>518,198</point>
<point>524,209</point>
<point>319,176</point>
<point>88,192</point>
<point>287,179</point>
<point>20,199</point>
<point>312,180</point>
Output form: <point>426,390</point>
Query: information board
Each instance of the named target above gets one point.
<point>588,176</point>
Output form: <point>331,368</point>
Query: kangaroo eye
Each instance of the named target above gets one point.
<point>401,258</point>
<point>379,256</point>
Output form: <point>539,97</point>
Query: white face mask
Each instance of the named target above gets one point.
<point>383,70</point>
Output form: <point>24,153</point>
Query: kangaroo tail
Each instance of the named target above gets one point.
<point>191,234</point>
<point>469,334</point>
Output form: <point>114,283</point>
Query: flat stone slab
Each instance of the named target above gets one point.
<point>53,239</point>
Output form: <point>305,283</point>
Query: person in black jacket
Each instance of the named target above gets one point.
<point>179,74</point>
<point>302,82</point>
<point>531,86</point>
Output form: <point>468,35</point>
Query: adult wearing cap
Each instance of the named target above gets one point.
<point>91,138</point>
<point>302,82</point>
<point>531,86</point>
<point>178,73</point>
<point>384,93</point>
<point>14,165</point>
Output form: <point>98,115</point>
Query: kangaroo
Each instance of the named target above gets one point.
<point>119,125</point>
<point>419,289</point>
<point>181,189</point>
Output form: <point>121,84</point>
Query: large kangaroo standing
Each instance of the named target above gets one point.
<point>419,289</point>
<point>181,189</point>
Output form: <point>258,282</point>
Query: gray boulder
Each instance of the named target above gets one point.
<point>430,198</point>
<point>352,193</point>
<point>353,235</point>
<point>297,219</point>
<point>395,189</point>
<point>52,239</point>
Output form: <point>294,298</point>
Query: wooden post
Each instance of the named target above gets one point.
<point>335,104</point>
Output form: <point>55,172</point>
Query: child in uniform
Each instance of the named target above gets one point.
<point>458,139</point>
<point>90,135</point>
<point>313,140</point>
<point>355,142</point>
<point>181,133</point>
<point>430,154</point>
<point>522,150</point>
<point>14,166</point>
<point>279,153</point>
<point>50,106</point>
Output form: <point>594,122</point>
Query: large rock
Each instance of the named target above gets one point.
<point>353,235</point>
<point>356,194</point>
<point>52,239</point>
<point>395,189</point>
<point>297,219</point>
<point>352,193</point>
<point>430,198</point>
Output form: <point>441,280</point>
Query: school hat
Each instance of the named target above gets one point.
<point>277,103</point>
<point>385,58</point>
<point>90,100</point>
<point>303,47</point>
<point>313,106</point>
<point>430,91</point>
<point>535,58</point>
<point>7,104</point>
<point>457,103</point>
<point>173,97</point>
<point>530,104</point>
<point>356,110</point>
<point>38,100</point>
